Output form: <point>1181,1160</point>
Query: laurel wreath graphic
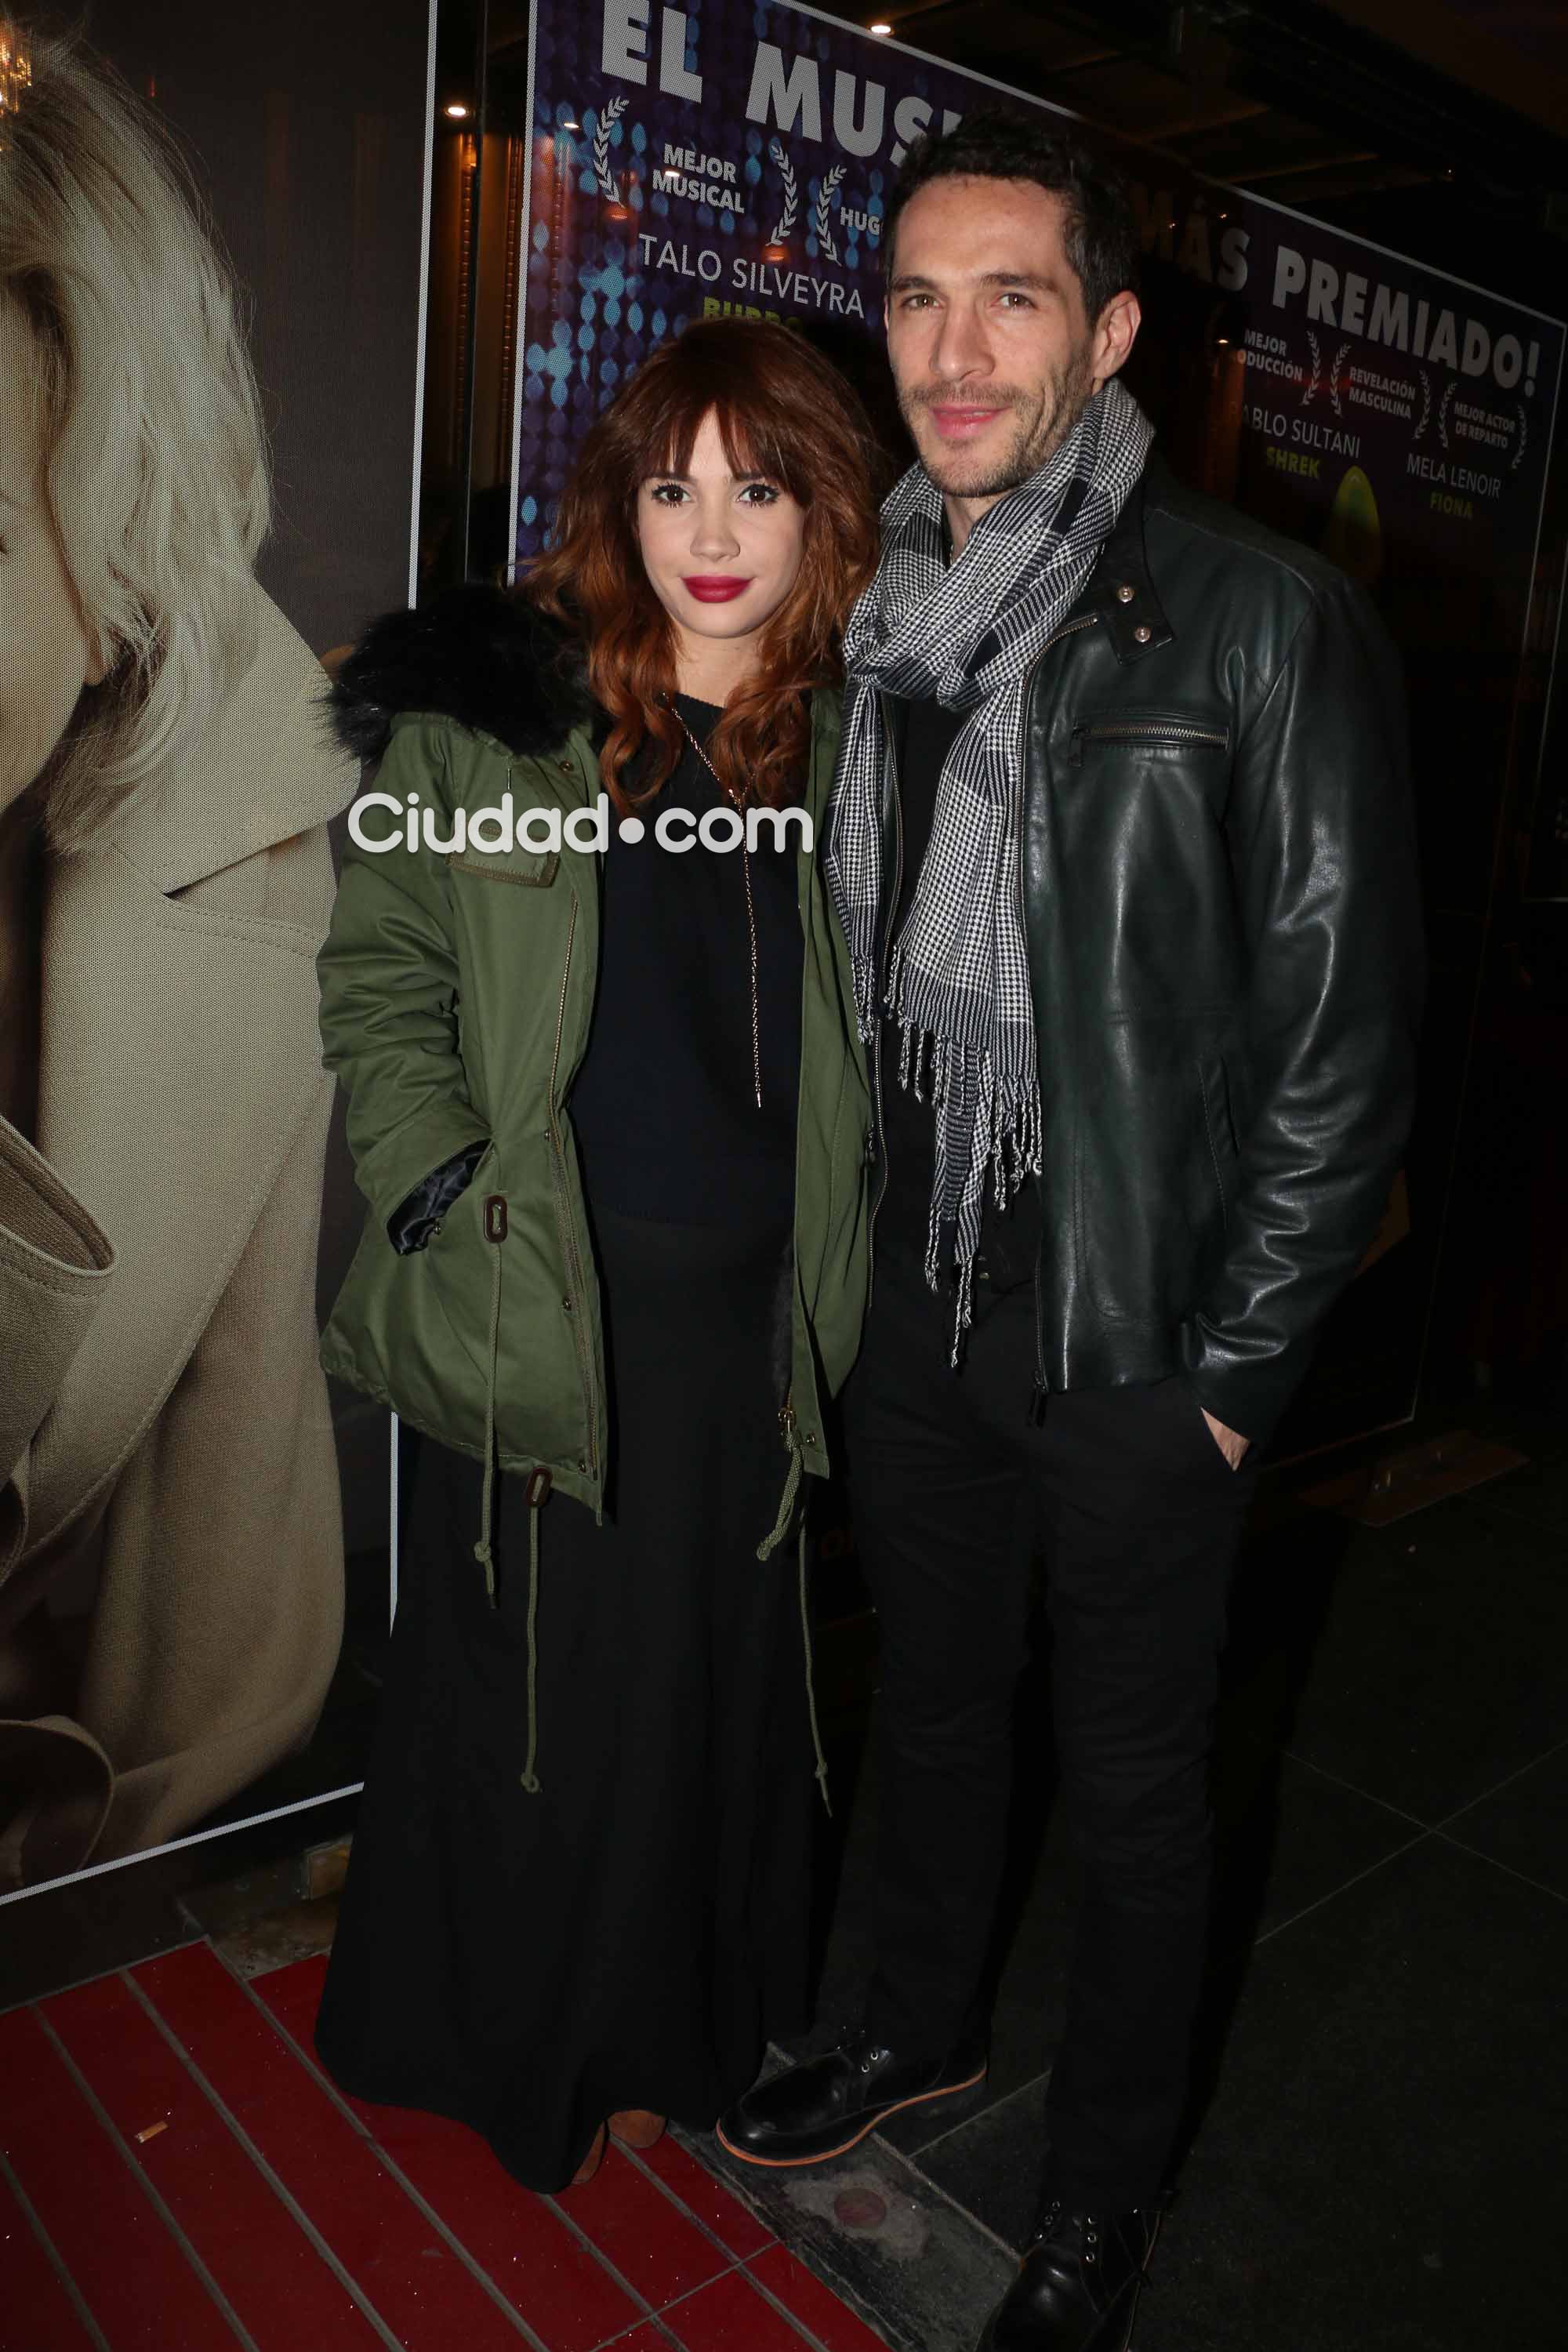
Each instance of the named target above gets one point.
<point>1523,438</point>
<point>792,195</point>
<point>1443,412</point>
<point>1316,376</point>
<point>1426,401</point>
<point>1334,378</point>
<point>609,186</point>
<point>825,195</point>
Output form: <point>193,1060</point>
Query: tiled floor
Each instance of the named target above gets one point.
<point>1382,2138</point>
<point>177,2176</point>
<point>1383,2144</point>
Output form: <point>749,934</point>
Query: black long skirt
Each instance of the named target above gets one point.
<point>633,1935</point>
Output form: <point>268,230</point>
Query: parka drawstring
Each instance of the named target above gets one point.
<point>530,1777</point>
<point>494,1231</point>
<point>765,1550</point>
<point>821,1773</point>
<point>770,1542</point>
<point>534,1492</point>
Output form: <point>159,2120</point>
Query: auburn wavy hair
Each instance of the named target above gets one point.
<point>784,413</point>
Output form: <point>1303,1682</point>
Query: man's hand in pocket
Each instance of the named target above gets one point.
<point>1231,1443</point>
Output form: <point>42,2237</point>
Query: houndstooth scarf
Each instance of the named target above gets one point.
<point>957,980</point>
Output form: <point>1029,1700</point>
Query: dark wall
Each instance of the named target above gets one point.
<point>307,128</point>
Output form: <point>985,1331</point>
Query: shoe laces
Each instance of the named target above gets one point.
<point>1086,2226</point>
<point>855,2045</point>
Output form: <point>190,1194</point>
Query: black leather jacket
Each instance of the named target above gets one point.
<point>1224,936</point>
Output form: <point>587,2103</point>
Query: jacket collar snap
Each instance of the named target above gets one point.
<point>1122,591</point>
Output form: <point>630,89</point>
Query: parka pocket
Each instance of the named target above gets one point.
<point>458,1270</point>
<point>532,869</point>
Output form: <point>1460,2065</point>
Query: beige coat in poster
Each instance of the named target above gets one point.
<point>165,1443</point>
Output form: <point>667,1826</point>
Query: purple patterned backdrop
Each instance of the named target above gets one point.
<point>734,157</point>
<point>629,236</point>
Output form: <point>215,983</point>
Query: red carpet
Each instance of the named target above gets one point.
<point>177,2175</point>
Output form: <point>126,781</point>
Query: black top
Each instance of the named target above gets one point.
<point>923,734</point>
<point>665,1105</point>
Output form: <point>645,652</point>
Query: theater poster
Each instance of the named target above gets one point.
<point>194,1530</point>
<point>734,158</point>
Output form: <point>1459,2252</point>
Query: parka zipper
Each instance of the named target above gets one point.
<point>564,1215</point>
<point>877,1032</point>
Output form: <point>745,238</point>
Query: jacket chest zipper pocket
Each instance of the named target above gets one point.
<point>1132,731</point>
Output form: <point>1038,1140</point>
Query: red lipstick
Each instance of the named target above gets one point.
<point>714,588</point>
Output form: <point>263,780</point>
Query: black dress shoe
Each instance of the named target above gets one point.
<point>826,2106</point>
<point>1077,2289</point>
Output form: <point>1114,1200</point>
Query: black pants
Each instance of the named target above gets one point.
<point>955,1491</point>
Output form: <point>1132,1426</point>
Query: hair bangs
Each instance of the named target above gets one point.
<point>766,443</point>
<point>726,371</point>
<point>752,445</point>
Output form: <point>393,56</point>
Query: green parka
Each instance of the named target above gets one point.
<point>457,994</point>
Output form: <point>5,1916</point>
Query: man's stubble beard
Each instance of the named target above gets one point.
<point>1069,392</point>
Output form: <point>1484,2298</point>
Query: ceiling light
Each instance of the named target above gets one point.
<point>16,68</point>
<point>881,26</point>
<point>458,113</point>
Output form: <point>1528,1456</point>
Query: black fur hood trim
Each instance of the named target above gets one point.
<point>474,654</point>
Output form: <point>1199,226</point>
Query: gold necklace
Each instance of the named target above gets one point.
<point>734,800</point>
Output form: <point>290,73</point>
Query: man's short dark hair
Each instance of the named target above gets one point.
<point>1101,234</point>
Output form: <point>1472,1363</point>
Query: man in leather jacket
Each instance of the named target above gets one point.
<point>1170,746</point>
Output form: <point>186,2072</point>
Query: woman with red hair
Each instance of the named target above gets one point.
<point>579,1065</point>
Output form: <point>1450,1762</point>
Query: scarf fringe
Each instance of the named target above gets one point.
<point>990,1126</point>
